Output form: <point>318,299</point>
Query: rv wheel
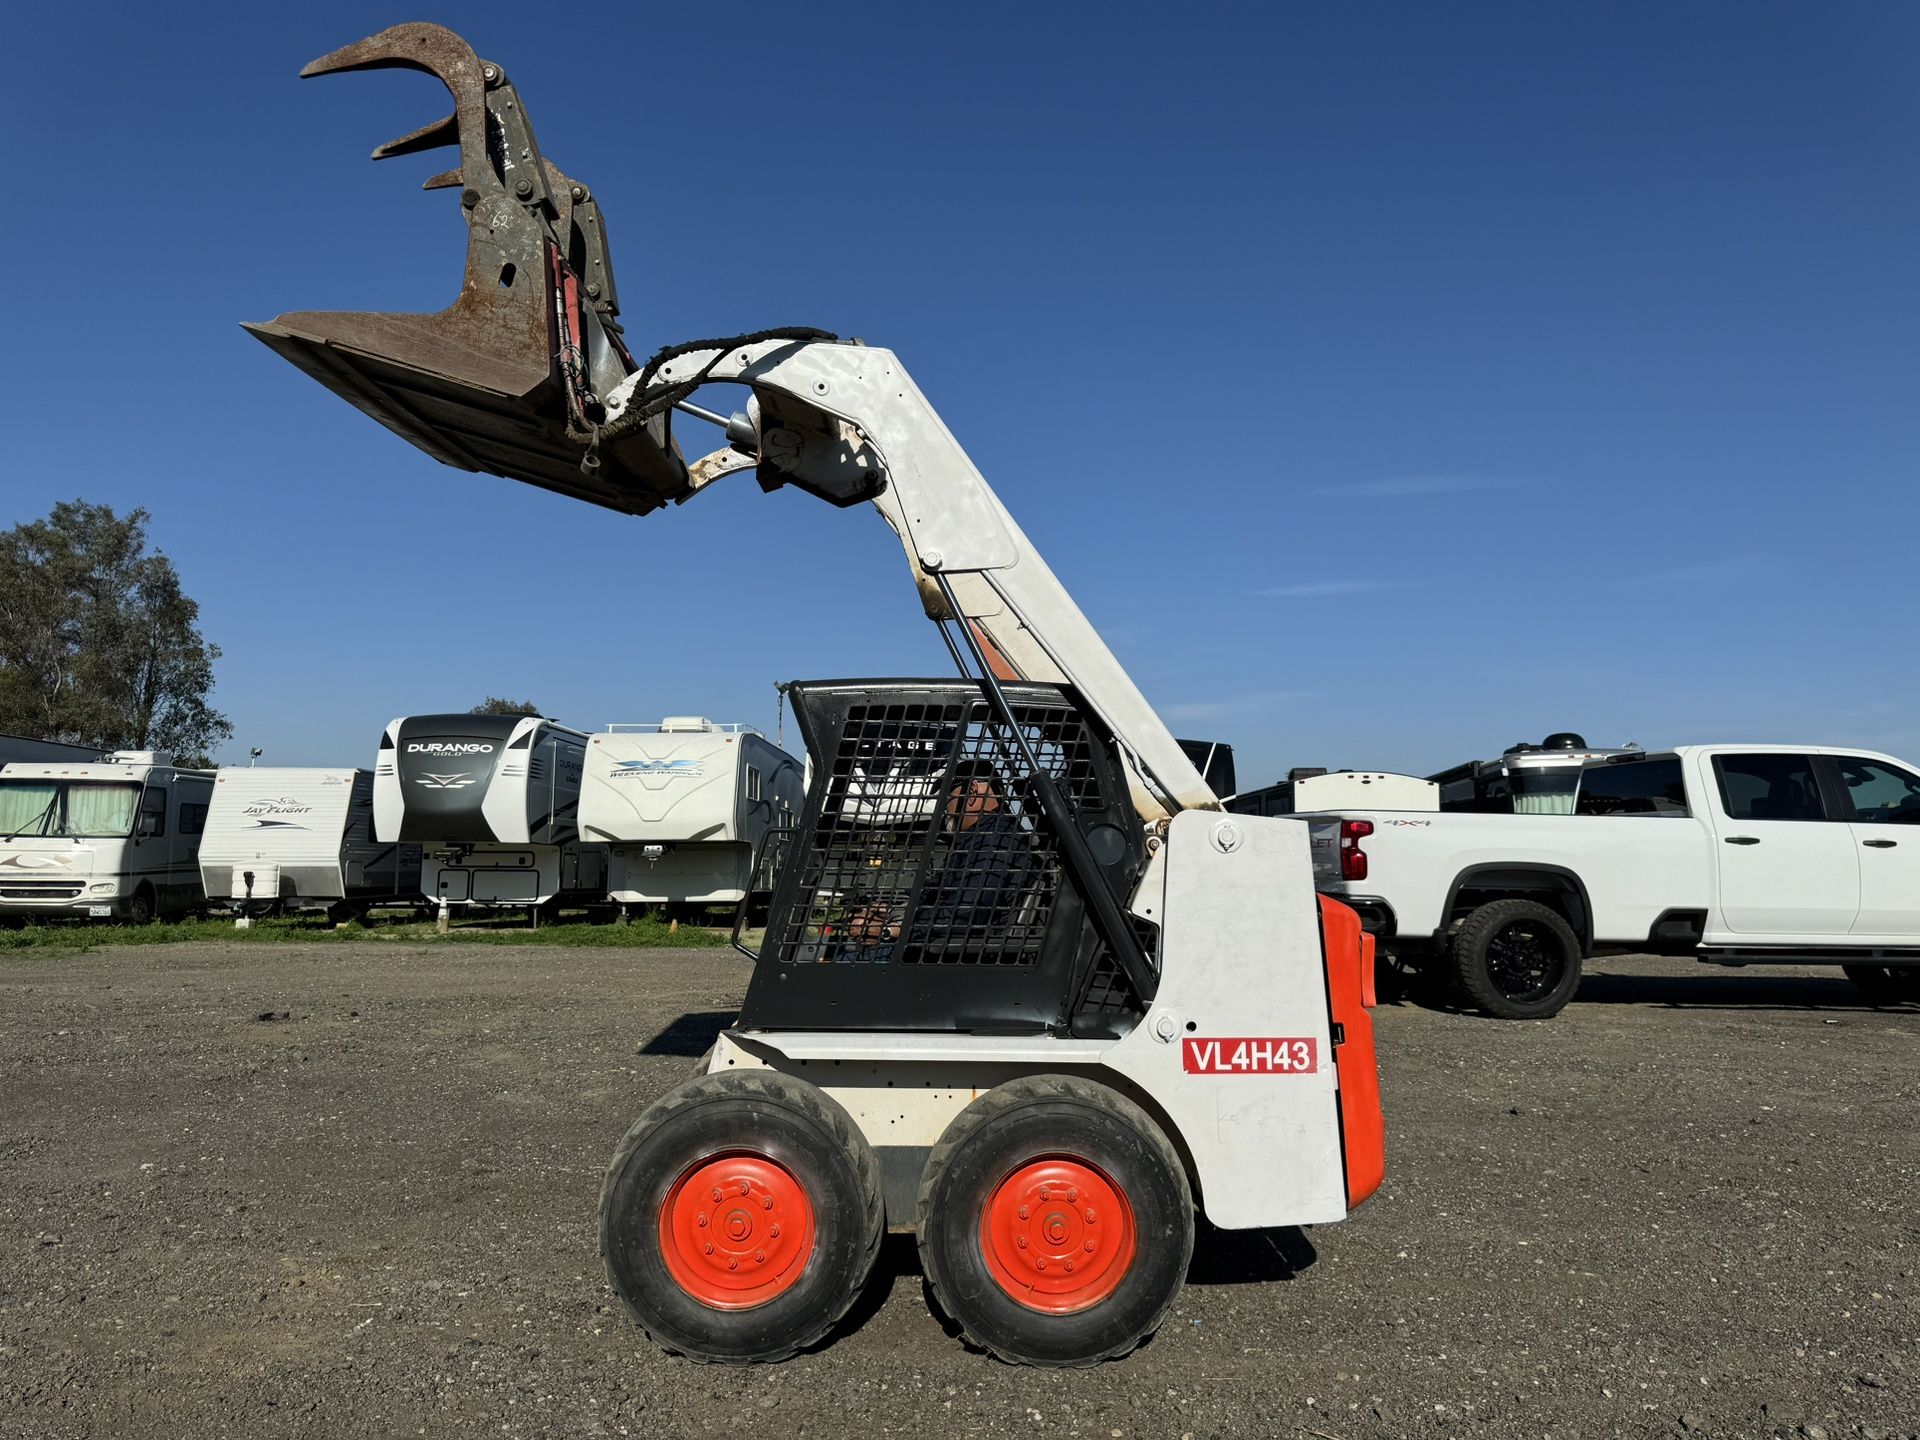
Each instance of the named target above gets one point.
<point>140,907</point>
<point>1056,1222</point>
<point>1885,984</point>
<point>1517,960</point>
<point>740,1217</point>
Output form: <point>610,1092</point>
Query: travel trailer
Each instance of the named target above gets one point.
<point>493,802</point>
<point>685,807</point>
<point>118,839</point>
<point>1307,791</point>
<point>301,839</point>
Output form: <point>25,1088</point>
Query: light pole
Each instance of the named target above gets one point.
<point>254,754</point>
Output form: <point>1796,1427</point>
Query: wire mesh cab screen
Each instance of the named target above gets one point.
<point>923,887</point>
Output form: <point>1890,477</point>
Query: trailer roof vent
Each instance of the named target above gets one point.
<point>685,725</point>
<point>139,757</point>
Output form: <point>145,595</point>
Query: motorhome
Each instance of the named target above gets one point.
<point>1307,791</point>
<point>493,801</point>
<point>117,839</point>
<point>1526,780</point>
<point>299,838</point>
<point>685,806</point>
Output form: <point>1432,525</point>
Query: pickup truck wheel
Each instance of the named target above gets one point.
<point>1885,984</point>
<point>1517,960</point>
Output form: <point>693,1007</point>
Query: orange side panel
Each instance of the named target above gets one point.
<point>1349,960</point>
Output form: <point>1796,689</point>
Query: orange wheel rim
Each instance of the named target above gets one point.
<point>1058,1235</point>
<point>736,1231</point>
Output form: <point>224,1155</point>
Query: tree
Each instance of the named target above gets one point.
<point>494,705</point>
<point>99,645</point>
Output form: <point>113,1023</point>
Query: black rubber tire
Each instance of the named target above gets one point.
<point>1885,984</point>
<point>140,907</point>
<point>1476,967</point>
<point>765,1113</point>
<point>1022,1120</point>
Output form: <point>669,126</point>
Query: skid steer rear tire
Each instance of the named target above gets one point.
<point>1056,1222</point>
<point>780,1178</point>
<point>1516,960</point>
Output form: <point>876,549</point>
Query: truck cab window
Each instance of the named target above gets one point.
<point>1639,787</point>
<point>1768,787</point>
<point>1881,793</point>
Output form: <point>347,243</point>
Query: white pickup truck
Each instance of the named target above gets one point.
<point>1735,854</point>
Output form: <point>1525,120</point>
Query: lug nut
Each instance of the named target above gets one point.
<point>766,1204</point>
<point>1023,1212</point>
<point>523,187</point>
<point>760,1257</point>
<point>709,1248</point>
<point>1073,1195</point>
<point>1045,1194</point>
<point>718,1194</point>
<point>1039,1264</point>
<point>702,1221</point>
<point>773,1232</point>
<point>1089,1215</point>
<point>1021,1241</point>
<point>1069,1267</point>
<point>733,1264</point>
<point>745,1187</point>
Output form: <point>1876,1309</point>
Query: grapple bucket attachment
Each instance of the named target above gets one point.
<point>509,378</point>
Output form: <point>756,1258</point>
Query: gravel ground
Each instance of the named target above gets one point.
<point>344,1191</point>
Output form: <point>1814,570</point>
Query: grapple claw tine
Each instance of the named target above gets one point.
<point>441,133</point>
<point>445,180</point>
<point>415,46</point>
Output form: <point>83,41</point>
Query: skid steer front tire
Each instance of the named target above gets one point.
<point>740,1217</point>
<point>1056,1222</point>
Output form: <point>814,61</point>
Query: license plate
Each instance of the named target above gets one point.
<point>1250,1055</point>
<point>99,912</point>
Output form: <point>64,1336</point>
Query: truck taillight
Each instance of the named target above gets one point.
<point>1353,860</point>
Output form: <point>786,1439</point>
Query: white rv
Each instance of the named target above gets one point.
<point>685,806</point>
<point>493,802</point>
<point>301,839</point>
<point>117,839</point>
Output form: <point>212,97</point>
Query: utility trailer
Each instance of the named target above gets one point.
<point>301,838</point>
<point>1029,994</point>
<point>1527,779</point>
<point>493,801</point>
<point>119,839</point>
<point>685,807</point>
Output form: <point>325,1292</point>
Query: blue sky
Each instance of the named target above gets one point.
<point>1389,383</point>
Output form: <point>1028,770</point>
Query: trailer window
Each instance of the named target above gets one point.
<point>1640,787</point>
<point>1768,787</point>
<point>753,783</point>
<point>1881,793</point>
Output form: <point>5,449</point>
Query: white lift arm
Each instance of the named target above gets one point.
<point>846,422</point>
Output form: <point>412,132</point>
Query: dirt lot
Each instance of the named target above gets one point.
<point>343,1191</point>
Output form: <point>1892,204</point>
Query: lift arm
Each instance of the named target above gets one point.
<point>527,376</point>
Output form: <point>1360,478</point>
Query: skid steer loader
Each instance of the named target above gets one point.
<point>1025,989</point>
